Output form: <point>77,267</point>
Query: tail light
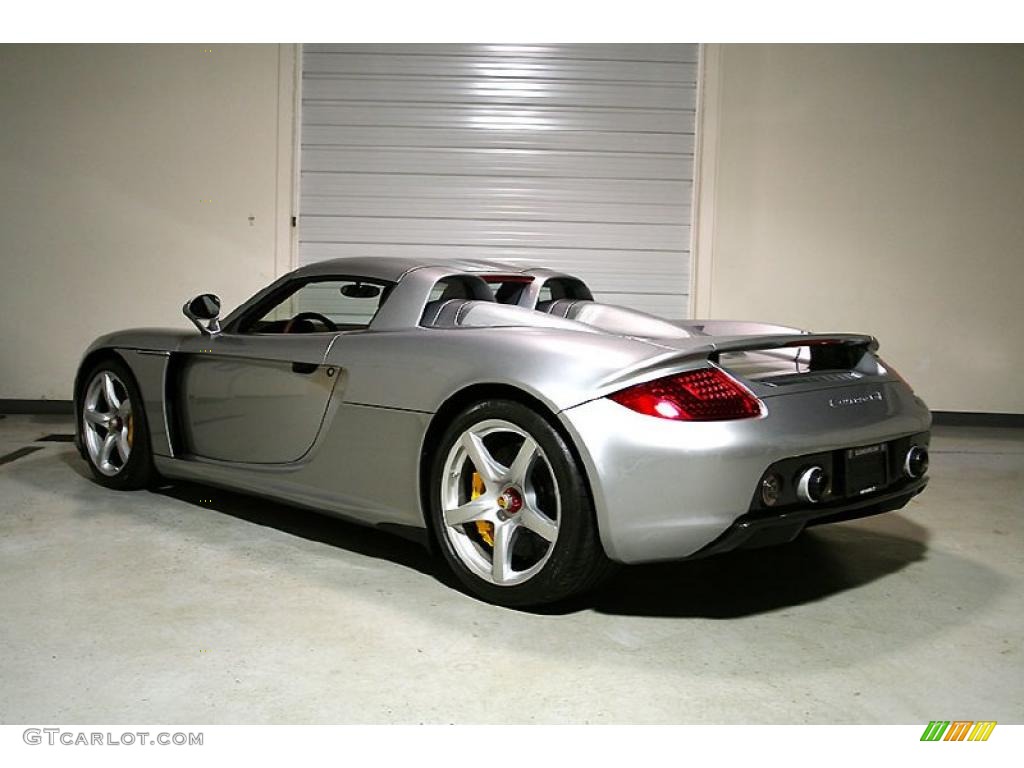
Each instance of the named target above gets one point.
<point>707,394</point>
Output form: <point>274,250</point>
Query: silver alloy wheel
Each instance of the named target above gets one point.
<point>517,500</point>
<point>107,423</point>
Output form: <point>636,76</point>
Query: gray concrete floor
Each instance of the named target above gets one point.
<point>192,605</point>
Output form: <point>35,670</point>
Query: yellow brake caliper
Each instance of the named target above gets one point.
<point>485,529</point>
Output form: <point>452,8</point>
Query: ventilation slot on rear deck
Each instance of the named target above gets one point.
<point>812,378</point>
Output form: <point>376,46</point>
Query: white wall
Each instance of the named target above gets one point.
<point>129,174</point>
<point>878,189</point>
<point>875,188</point>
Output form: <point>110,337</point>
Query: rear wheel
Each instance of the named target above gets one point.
<point>113,427</point>
<point>511,507</point>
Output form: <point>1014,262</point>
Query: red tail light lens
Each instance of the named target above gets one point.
<point>707,394</point>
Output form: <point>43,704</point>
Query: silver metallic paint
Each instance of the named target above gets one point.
<point>364,467</point>
<point>151,367</point>
<point>662,489</point>
<point>255,409</point>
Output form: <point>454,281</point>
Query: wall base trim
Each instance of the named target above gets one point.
<point>972,419</point>
<point>37,406</point>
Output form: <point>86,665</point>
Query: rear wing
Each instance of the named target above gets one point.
<point>827,350</point>
<point>824,352</point>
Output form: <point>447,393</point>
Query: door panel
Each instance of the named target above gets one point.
<point>255,399</point>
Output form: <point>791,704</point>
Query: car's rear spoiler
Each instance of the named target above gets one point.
<point>823,342</point>
<point>827,351</point>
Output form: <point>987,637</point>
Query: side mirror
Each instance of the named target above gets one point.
<point>205,306</point>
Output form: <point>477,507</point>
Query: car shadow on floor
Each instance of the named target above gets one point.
<point>824,561</point>
<point>314,526</point>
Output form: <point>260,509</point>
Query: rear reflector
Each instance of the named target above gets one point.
<point>707,394</point>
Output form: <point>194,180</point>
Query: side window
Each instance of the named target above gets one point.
<point>320,306</point>
<point>545,292</point>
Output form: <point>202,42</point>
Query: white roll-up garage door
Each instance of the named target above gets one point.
<point>574,157</point>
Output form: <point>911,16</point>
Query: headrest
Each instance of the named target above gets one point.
<point>444,312</point>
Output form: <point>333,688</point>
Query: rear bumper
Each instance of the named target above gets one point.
<point>758,530</point>
<point>667,490</point>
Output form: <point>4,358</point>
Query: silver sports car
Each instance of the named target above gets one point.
<point>530,433</point>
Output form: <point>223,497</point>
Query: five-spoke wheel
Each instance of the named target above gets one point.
<point>511,507</point>
<point>500,502</point>
<point>112,427</point>
<point>108,423</point>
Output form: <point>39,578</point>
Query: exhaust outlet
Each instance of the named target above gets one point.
<point>812,485</point>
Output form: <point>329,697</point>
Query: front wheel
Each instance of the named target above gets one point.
<point>113,428</point>
<point>511,508</point>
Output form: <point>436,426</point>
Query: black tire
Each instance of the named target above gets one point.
<point>138,471</point>
<point>576,562</point>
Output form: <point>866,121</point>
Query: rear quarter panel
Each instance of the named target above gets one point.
<point>664,489</point>
<point>420,369</point>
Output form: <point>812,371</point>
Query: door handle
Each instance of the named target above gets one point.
<point>304,367</point>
